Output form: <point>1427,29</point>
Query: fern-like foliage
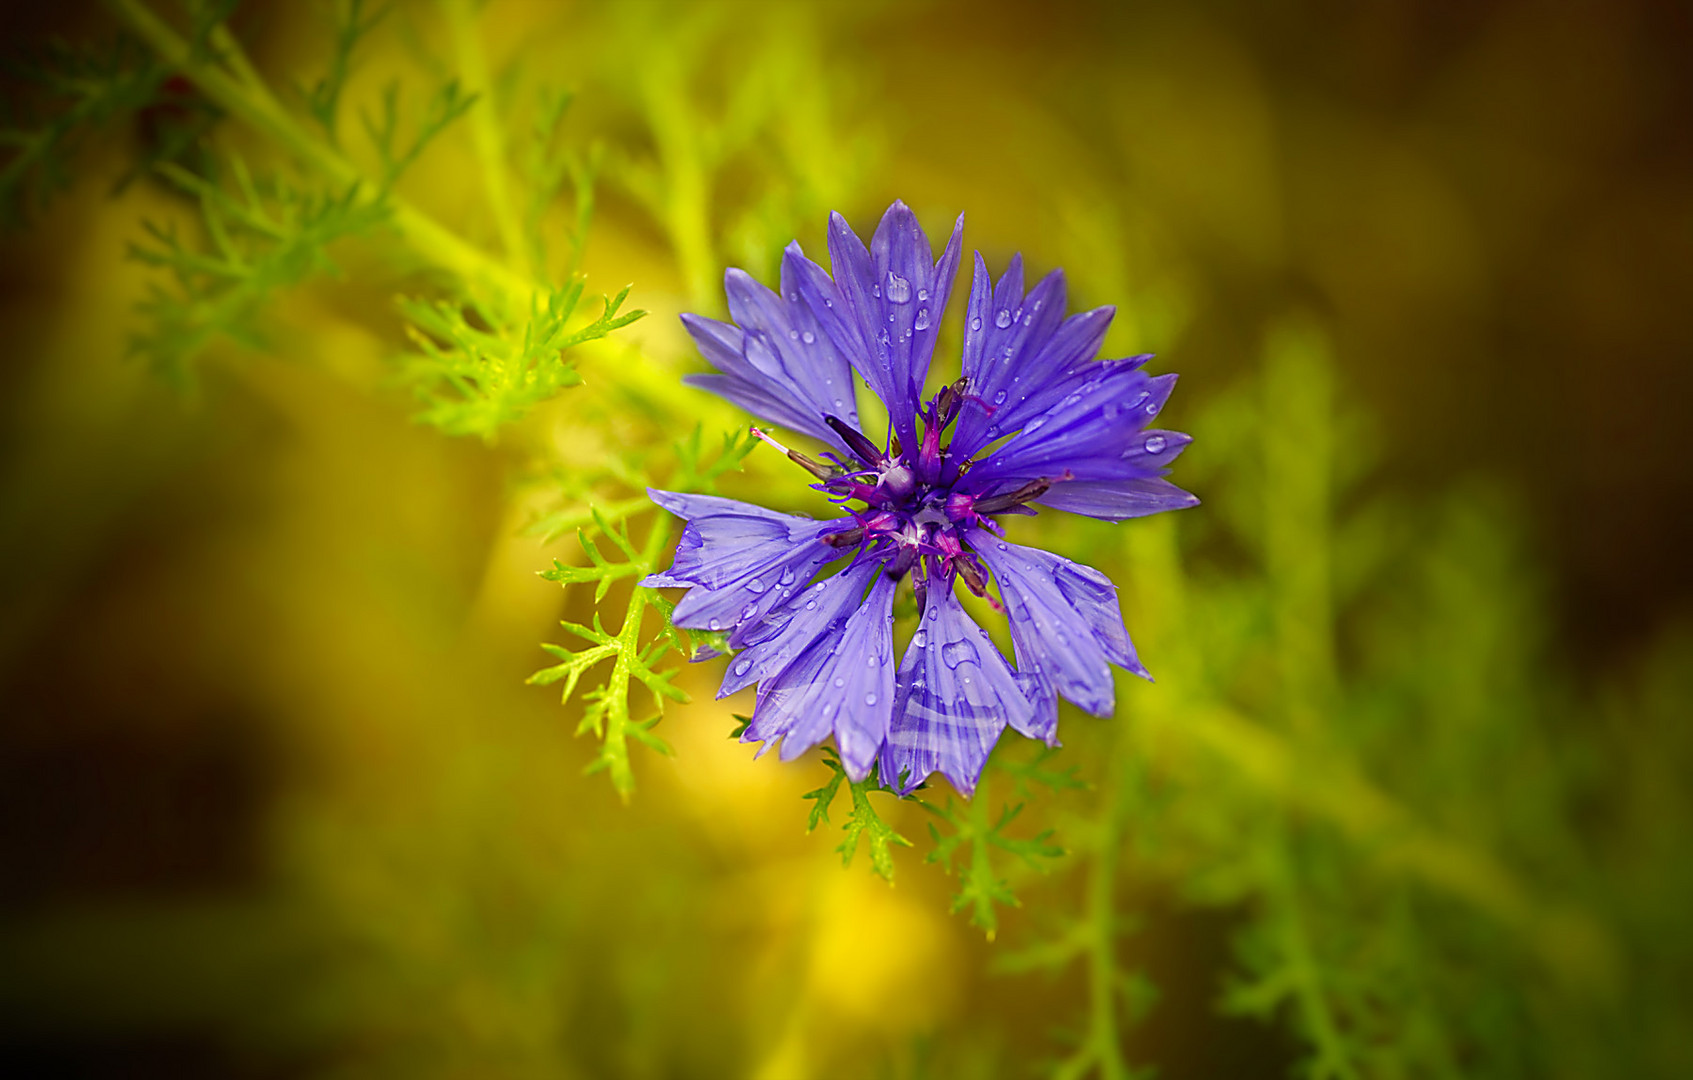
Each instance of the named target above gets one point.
<point>476,379</point>
<point>76,92</point>
<point>607,711</point>
<point>260,236</point>
<point>973,831</point>
<point>398,150</point>
<point>323,97</point>
<point>863,823</point>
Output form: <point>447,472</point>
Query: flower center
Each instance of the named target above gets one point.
<point>915,515</point>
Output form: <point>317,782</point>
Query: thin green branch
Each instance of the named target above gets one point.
<point>486,130</point>
<point>234,92</point>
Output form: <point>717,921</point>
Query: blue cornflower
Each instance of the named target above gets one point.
<point>822,651</point>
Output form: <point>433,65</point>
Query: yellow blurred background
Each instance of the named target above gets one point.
<point>275,799</point>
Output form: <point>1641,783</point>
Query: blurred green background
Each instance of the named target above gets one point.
<point>1409,798</point>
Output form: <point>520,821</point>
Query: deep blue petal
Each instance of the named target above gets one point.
<point>777,363</point>
<point>726,541</point>
<point>843,684</point>
<point>1096,432</point>
<point>893,295</point>
<point>1118,500</point>
<point>955,695</point>
<point>1020,353</point>
<point>779,638</point>
<point>1066,625</point>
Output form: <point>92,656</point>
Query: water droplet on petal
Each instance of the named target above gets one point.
<point>1002,320</point>
<point>899,289</point>
<point>741,667</point>
<point>976,323</point>
<point>838,403</point>
<point>809,338</point>
<point>1003,546</point>
<point>756,585</point>
<point>922,322</point>
<point>1155,444</point>
<point>922,295</point>
<point>713,624</point>
<point>794,297</point>
<point>954,653</point>
<point>811,605</point>
<point>839,682</point>
<point>869,699</point>
<point>793,335</point>
<point>920,639</point>
<point>999,398</point>
<point>787,576</point>
<point>1152,409</point>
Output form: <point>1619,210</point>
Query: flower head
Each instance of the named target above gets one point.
<point>1035,420</point>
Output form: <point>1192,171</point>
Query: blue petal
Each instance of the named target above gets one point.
<point>844,683</point>
<point>892,298</point>
<point>771,643</point>
<point>1024,367</point>
<point>747,603</point>
<point>778,363</point>
<point>1096,432</point>
<point>726,541</point>
<point>1066,625</point>
<point>956,694</point>
<point>1117,500</point>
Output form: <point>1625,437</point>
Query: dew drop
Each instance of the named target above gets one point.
<point>793,297</point>
<point>954,653</point>
<point>920,639</point>
<point>1002,545</point>
<point>749,611</point>
<point>976,323</point>
<point>787,577</point>
<point>809,338</point>
<point>1154,444</point>
<point>876,291</point>
<point>741,668</point>
<point>922,322</point>
<point>811,605</point>
<point>713,624</point>
<point>934,612</point>
<point>839,682</point>
<point>899,289</point>
<point>869,699</point>
<point>870,661</point>
<point>1002,320</point>
<point>922,295</point>
<point>793,335</point>
<point>756,585</point>
<point>999,398</point>
<point>1152,409</point>
<point>839,403</point>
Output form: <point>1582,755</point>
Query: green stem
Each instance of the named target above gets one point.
<point>486,129</point>
<point>252,103</point>
<point>615,749</point>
